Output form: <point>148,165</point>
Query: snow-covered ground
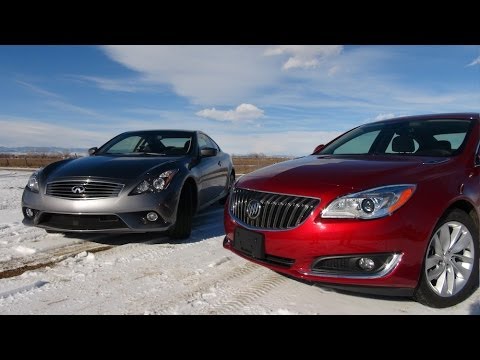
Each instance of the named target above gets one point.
<point>44,273</point>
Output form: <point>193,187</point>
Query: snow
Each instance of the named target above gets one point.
<point>150,274</point>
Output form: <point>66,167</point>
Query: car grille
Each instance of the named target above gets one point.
<point>83,189</point>
<point>276,211</point>
<point>81,222</point>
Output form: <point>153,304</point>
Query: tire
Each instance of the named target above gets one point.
<point>231,181</point>
<point>450,269</point>
<point>183,225</point>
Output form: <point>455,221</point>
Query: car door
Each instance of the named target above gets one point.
<point>212,171</point>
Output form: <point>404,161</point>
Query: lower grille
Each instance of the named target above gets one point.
<point>263,210</point>
<point>81,222</point>
<point>279,261</point>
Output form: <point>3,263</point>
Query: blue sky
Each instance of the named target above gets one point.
<point>250,99</point>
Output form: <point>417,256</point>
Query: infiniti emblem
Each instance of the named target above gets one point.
<point>253,209</point>
<point>78,189</point>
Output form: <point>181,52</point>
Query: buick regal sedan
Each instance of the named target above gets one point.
<point>390,207</point>
<point>139,181</point>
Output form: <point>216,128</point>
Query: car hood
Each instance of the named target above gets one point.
<point>314,175</point>
<point>121,167</point>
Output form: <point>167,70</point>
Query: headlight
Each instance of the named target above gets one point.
<point>370,204</point>
<point>32,184</point>
<point>155,183</point>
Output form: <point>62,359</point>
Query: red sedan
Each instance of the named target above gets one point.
<point>390,207</point>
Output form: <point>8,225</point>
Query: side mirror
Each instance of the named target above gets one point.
<point>318,148</point>
<point>92,151</point>
<point>207,152</point>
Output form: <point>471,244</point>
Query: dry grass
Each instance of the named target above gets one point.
<point>246,164</point>
<point>242,164</point>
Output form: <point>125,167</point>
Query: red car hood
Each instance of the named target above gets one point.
<point>317,175</point>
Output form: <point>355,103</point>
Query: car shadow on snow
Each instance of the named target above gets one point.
<point>207,223</point>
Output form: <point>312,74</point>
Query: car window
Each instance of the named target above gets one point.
<point>205,142</point>
<point>455,140</point>
<point>162,143</point>
<point>390,150</point>
<point>432,137</point>
<point>127,145</point>
<point>358,145</point>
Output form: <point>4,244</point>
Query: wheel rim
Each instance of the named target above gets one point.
<point>449,259</point>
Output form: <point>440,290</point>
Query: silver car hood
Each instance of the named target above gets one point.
<point>122,167</point>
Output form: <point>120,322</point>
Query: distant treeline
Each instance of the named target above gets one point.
<point>243,163</point>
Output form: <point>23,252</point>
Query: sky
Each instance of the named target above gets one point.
<point>275,100</point>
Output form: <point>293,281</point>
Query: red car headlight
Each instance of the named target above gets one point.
<point>370,204</point>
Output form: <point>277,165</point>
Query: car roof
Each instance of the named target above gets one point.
<point>466,116</point>
<point>164,130</point>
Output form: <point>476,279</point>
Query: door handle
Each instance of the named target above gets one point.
<point>219,163</point>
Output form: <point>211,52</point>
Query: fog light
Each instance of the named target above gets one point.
<point>152,216</point>
<point>366,263</point>
<point>30,213</point>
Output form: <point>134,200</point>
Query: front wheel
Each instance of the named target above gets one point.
<point>183,225</point>
<point>450,267</point>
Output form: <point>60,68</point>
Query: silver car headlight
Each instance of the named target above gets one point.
<point>32,183</point>
<point>155,183</point>
<point>370,204</point>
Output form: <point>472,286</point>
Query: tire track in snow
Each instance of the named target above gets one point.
<point>246,296</point>
<point>193,291</point>
<point>17,267</point>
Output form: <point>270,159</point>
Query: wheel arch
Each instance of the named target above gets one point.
<point>189,181</point>
<point>467,207</point>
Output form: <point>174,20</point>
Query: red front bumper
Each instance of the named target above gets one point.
<point>330,237</point>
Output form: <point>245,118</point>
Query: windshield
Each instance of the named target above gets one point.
<point>160,143</point>
<point>442,137</point>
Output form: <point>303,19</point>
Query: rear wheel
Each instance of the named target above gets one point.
<point>183,225</point>
<point>450,267</point>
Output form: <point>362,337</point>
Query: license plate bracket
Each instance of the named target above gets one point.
<point>249,242</point>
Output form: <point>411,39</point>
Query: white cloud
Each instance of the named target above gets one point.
<point>122,85</point>
<point>205,74</point>
<point>304,56</point>
<point>37,89</point>
<point>241,113</point>
<point>475,62</point>
<point>380,117</point>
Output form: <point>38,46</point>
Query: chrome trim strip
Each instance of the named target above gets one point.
<point>389,267</point>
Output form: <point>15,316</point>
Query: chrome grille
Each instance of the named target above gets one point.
<point>92,189</point>
<point>277,211</point>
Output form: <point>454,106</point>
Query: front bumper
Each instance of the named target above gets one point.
<point>293,252</point>
<point>114,214</point>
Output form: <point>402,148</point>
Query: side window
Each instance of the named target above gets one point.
<point>358,145</point>
<point>205,142</point>
<point>477,155</point>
